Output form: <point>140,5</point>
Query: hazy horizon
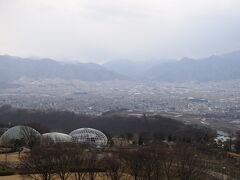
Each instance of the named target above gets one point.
<point>94,31</point>
<point>160,60</point>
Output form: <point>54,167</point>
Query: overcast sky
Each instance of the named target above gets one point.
<point>103,30</point>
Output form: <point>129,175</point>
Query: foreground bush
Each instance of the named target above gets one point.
<point>6,172</point>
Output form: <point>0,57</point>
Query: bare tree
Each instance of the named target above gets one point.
<point>187,165</point>
<point>150,169</point>
<point>134,163</point>
<point>167,162</point>
<point>79,163</point>
<point>91,164</point>
<point>113,167</point>
<point>39,164</point>
<point>63,159</point>
<point>153,166</point>
<point>237,142</point>
<point>60,160</point>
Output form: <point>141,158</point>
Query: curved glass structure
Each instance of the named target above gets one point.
<point>89,136</point>
<point>23,134</point>
<point>57,137</point>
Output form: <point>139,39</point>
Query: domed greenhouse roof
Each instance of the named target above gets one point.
<point>24,134</point>
<point>57,137</point>
<point>89,136</point>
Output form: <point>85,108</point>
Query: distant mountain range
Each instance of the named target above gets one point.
<point>213,68</point>
<point>131,69</point>
<point>13,68</point>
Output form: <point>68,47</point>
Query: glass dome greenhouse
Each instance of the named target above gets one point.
<point>89,136</point>
<point>57,137</point>
<point>23,134</point>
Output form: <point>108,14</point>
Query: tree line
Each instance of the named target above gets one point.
<point>69,160</point>
<point>155,127</point>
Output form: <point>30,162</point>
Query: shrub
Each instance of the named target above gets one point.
<point>6,172</point>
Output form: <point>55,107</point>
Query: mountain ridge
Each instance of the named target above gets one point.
<point>213,68</point>
<point>12,68</point>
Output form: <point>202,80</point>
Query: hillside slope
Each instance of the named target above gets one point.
<point>13,68</point>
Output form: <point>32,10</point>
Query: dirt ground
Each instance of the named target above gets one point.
<point>19,177</point>
<point>10,157</point>
<point>14,177</point>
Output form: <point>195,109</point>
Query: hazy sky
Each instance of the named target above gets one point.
<point>101,30</point>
